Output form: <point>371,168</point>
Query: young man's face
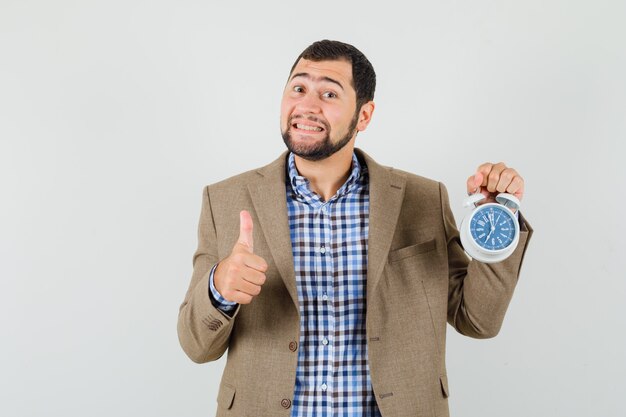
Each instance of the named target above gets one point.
<point>318,113</point>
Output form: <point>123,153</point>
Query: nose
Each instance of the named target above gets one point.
<point>309,103</point>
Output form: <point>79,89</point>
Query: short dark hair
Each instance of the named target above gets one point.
<point>363,75</point>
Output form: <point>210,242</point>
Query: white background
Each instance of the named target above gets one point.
<point>115,114</point>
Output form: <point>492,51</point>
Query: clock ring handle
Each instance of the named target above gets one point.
<point>473,199</point>
<point>508,200</point>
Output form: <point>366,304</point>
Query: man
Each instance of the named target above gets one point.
<point>331,278</point>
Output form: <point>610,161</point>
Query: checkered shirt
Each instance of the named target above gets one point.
<point>329,244</point>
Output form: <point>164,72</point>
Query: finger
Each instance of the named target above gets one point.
<point>494,176</point>
<point>247,287</point>
<point>473,183</point>
<point>506,177</point>
<point>253,276</point>
<point>245,230</point>
<point>484,170</point>
<point>251,260</point>
<point>238,297</point>
<point>517,187</point>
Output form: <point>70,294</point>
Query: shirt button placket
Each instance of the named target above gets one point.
<point>327,262</point>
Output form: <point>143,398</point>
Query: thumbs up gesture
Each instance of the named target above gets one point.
<point>239,277</point>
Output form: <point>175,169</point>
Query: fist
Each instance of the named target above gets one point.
<point>492,179</point>
<point>239,277</point>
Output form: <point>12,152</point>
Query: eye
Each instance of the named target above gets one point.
<point>298,89</point>
<point>330,94</point>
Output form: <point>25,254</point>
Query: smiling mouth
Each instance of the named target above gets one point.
<point>307,129</point>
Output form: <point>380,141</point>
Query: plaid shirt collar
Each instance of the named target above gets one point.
<point>303,192</point>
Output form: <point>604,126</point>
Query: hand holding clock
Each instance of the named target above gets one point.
<point>491,179</point>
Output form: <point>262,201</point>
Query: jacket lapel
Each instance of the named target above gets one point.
<point>386,194</point>
<point>270,202</point>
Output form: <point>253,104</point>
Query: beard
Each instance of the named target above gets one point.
<point>320,148</point>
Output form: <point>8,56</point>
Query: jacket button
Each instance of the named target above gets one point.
<point>285,403</point>
<point>293,346</point>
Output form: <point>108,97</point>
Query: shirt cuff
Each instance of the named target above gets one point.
<point>216,298</point>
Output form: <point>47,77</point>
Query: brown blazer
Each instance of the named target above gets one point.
<point>418,279</point>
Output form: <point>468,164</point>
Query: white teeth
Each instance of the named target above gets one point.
<point>305,127</point>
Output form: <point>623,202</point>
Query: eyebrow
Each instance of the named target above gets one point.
<point>323,78</point>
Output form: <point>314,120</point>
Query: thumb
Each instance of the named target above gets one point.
<point>474,182</point>
<point>478,179</point>
<point>245,230</point>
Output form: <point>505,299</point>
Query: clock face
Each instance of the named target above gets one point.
<point>492,227</point>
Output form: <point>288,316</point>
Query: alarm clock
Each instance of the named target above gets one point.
<point>490,232</point>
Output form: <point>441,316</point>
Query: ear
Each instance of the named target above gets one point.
<point>365,115</point>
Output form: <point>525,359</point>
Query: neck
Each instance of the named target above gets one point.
<point>327,175</point>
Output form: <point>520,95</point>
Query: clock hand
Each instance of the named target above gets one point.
<point>487,238</point>
<point>493,227</point>
<point>498,219</point>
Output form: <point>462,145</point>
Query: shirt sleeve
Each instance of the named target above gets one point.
<point>216,298</point>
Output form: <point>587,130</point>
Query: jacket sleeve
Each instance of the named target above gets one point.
<point>479,293</point>
<point>203,329</point>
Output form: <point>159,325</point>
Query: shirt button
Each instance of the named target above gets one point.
<point>293,346</point>
<point>285,403</point>
<point>324,341</point>
<point>325,297</point>
<point>322,249</point>
<point>324,386</point>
